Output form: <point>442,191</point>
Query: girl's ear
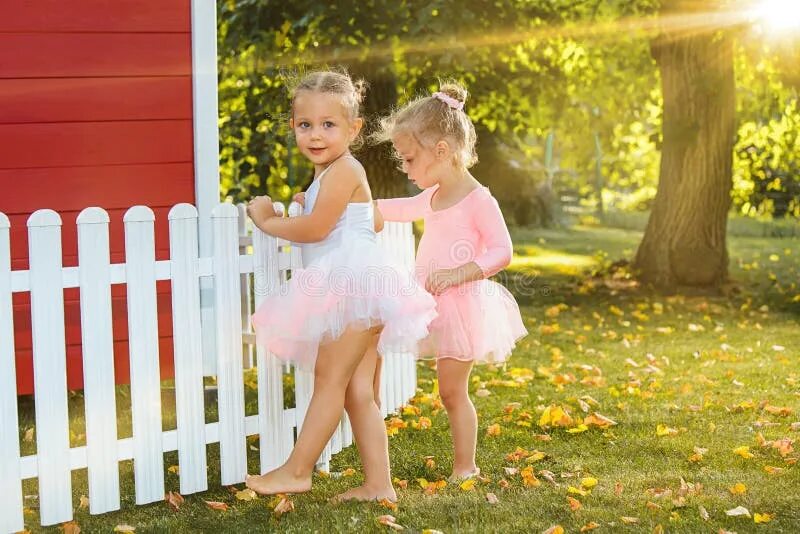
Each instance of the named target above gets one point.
<point>291,123</point>
<point>355,127</point>
<point>441,149</point>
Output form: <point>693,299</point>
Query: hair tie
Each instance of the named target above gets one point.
<point>454,103</point>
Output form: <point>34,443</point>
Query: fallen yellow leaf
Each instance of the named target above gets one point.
<point>386,503</point>
<point>577,491</point>
<point>284,505</point>
<point>578,429</point>
<point>467,485</point>
<point>664,430</point>
<point>743,451</point>
<point>738,489</point>
<point>762,518</point>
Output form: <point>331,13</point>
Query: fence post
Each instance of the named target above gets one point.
<point>97,341</point>
<point>11,517</point>
<point>187,340</point>
<point>228,321</point>
<point>49,367</point>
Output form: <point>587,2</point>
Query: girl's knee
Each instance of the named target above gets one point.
<point>358,398</point>
<point>454,397</point>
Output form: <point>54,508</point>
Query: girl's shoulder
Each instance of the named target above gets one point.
<point>343,166</point>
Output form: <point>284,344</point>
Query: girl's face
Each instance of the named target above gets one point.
<point>322,128</point>
<point>422,165</point>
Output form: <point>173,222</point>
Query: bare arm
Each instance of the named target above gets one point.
<point>335,192</point>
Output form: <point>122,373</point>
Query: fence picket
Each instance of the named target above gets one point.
<point>186,321</point>
<point>272,430</point>
<point>49,367</point>
<point>98,360</point>
<point>228,322</point>
<point>244,227</point>
<point>11,517</point>
<point>148,457</point>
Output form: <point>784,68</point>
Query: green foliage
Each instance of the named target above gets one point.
<point>767,153</point>
<point>573,68</point>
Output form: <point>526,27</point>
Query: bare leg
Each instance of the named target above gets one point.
<point>454,389</point>
<point>376,380</point>
<point>369,432</point>
<point>336,363</point>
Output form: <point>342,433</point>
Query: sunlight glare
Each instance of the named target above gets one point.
<point>778,15</point>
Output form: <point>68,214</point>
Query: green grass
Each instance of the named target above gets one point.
<point>738,225</point>
<point>706,367</point>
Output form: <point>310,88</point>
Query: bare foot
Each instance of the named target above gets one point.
<point>366,493</point>
<point>278,481</point>
<point>460,476</point>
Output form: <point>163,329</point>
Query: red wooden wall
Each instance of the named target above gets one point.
<point>95,110</point>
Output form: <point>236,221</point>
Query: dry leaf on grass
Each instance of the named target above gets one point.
<point>389,521</point>
<point>216,505</point>
<point>174,500</point>
<point>284,506</point>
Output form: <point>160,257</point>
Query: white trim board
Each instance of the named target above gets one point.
<point>206,151</point>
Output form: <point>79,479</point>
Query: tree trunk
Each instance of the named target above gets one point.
<point>385,179</point>
<point>684,242</point>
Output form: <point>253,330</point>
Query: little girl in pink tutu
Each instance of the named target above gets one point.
<point>465,242</point>
<point>346,293</point>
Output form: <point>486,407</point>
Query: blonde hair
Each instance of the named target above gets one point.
<point>429,120</point>
<point>335,82</point>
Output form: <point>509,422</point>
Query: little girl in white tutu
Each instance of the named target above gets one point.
<point>346,292</point>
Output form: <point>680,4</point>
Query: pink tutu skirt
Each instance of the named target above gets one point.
<point>477,321</point>
<point>355,286</point>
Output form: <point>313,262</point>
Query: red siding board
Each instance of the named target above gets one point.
<point>77,55</point>
<point>95,99</point>
<point>94,143</point>
<point>96,15</point>
<point>110,187</point>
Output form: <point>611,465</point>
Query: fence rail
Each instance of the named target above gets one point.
<point>245,266</point>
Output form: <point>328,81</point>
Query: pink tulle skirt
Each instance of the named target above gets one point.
<point>477,321</point>
<point>355,286</point>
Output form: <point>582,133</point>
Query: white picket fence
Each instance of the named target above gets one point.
<point>241,279</point>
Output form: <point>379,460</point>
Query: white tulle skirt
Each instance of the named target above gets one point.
<point>353,286</point>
